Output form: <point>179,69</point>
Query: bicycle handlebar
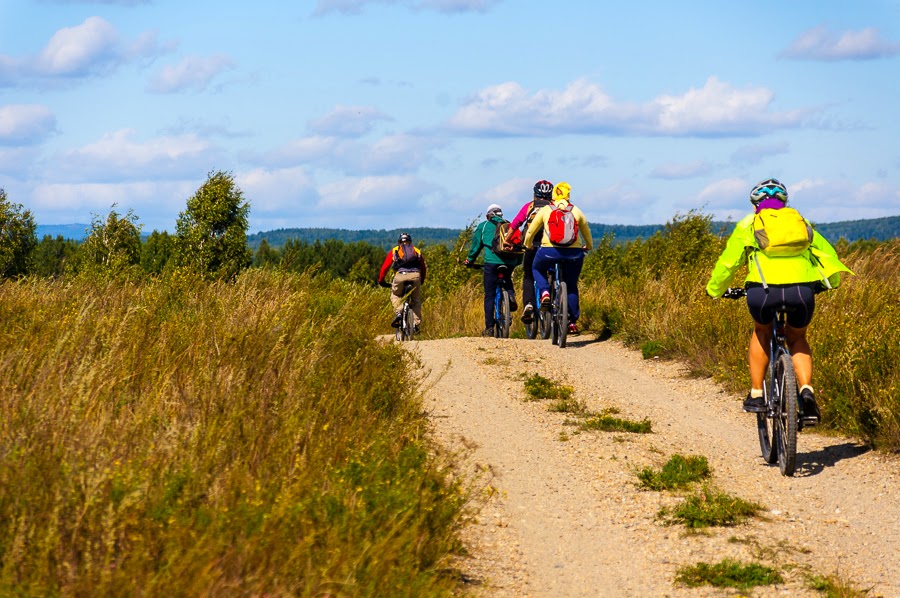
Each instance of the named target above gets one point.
<point>734,293</point>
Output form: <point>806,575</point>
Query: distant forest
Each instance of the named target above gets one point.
<point>880,229</point>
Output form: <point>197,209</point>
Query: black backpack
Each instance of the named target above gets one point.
<point>507,242</point>
<point>536,204</point>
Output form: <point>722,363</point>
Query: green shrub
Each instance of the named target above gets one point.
<point>678,472</point>
<point>728,573</point>
<point>539,388</point>
<point>709,508</point>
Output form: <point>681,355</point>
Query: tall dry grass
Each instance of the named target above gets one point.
<point>855,337</point>
<point>194,438</point>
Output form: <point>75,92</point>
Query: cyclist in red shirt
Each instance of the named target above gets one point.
<point>409,264</point>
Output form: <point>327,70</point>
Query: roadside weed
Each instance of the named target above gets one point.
<point>834,586</point>
<point>728,573</point>
<point>710,508</point>
<point>539,388</point>
<point>678,473</point>
<point>608,423</point>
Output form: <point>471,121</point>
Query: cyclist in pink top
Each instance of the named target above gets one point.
<point>543,191</point>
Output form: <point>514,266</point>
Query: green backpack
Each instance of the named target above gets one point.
<point>782,232</point>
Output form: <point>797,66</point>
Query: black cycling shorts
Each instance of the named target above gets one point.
<point>798,299</point>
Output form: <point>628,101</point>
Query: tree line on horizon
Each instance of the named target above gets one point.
<point>211,238</point>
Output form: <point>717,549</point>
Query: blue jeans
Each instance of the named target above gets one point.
<point>570,259</point>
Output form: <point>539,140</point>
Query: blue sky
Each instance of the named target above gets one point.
<point>393,113</point>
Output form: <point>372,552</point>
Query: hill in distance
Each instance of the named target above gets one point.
<point>880,229</point>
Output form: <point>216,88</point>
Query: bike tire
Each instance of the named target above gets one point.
<point>789,415</point>
<point>408,323</point>
<point>562,314</point>
<point>546,323</point>
<point>532,327</point>
<point>501,318</point>
<point>765,425</point>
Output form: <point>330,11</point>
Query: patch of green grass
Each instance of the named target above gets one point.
<point>711,508</point>
<point>539,388</point>
<point>570,405</point>
<point>834,586</point>
<point>679,472</point>
<point>650,349</point>
<point>608,423</point>
<point>728,573</point>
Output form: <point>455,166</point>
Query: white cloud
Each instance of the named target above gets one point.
<point>120,156</point>
<point>754,154</point>
<point>80,50</point>
<point>682,170</point>
<point>819,43</point>
<point>155,203</point>
<point>370,195</point>
<point>113,2</point>
<point>25,124</point>
<point>91,48</point>
<point>396,154</point>
<point>286,192</point>
<point>725,199</point>
<point>716,109</point>
<point>347,121</point>
<point>192,73</point>
<point>456,6</point>
<point>825,200</point>
<point>355,7</point>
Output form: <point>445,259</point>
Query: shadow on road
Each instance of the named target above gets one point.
<point>809,464</point>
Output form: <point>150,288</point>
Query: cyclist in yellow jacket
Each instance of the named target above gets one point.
<point>790,281</point>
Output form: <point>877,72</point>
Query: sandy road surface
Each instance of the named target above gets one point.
<point>564,517</point>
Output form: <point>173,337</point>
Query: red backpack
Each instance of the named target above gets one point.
<point>562,225</point>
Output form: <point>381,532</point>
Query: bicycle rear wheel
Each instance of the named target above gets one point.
<point>408,324</point>
<point>562,313</point>
<point>787,418</point>
<point>501,318</point>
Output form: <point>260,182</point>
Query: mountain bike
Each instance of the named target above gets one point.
<point>778,426</point>
<point>407,326</point>
<point>502,315</point>
<point>559,306</point>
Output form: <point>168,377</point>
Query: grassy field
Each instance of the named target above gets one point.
<point>180,437</point>
<point>193,438</point>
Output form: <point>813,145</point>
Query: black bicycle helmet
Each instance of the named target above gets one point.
<point>404,238</point>
<point>543,189</point>
<point>768,188</point>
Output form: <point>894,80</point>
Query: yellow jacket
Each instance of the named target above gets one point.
<point>540,221</point>
<point>819,263</point>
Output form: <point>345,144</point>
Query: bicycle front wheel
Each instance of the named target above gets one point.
<point>765,423</point>
<point>501,315</point>
<point>788,416</point>
<point>562,313</point>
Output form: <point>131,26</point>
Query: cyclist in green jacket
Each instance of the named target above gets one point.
<point>790,281</point>
<point>482,239</point>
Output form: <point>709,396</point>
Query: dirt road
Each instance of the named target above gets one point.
<point>563,515</point>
